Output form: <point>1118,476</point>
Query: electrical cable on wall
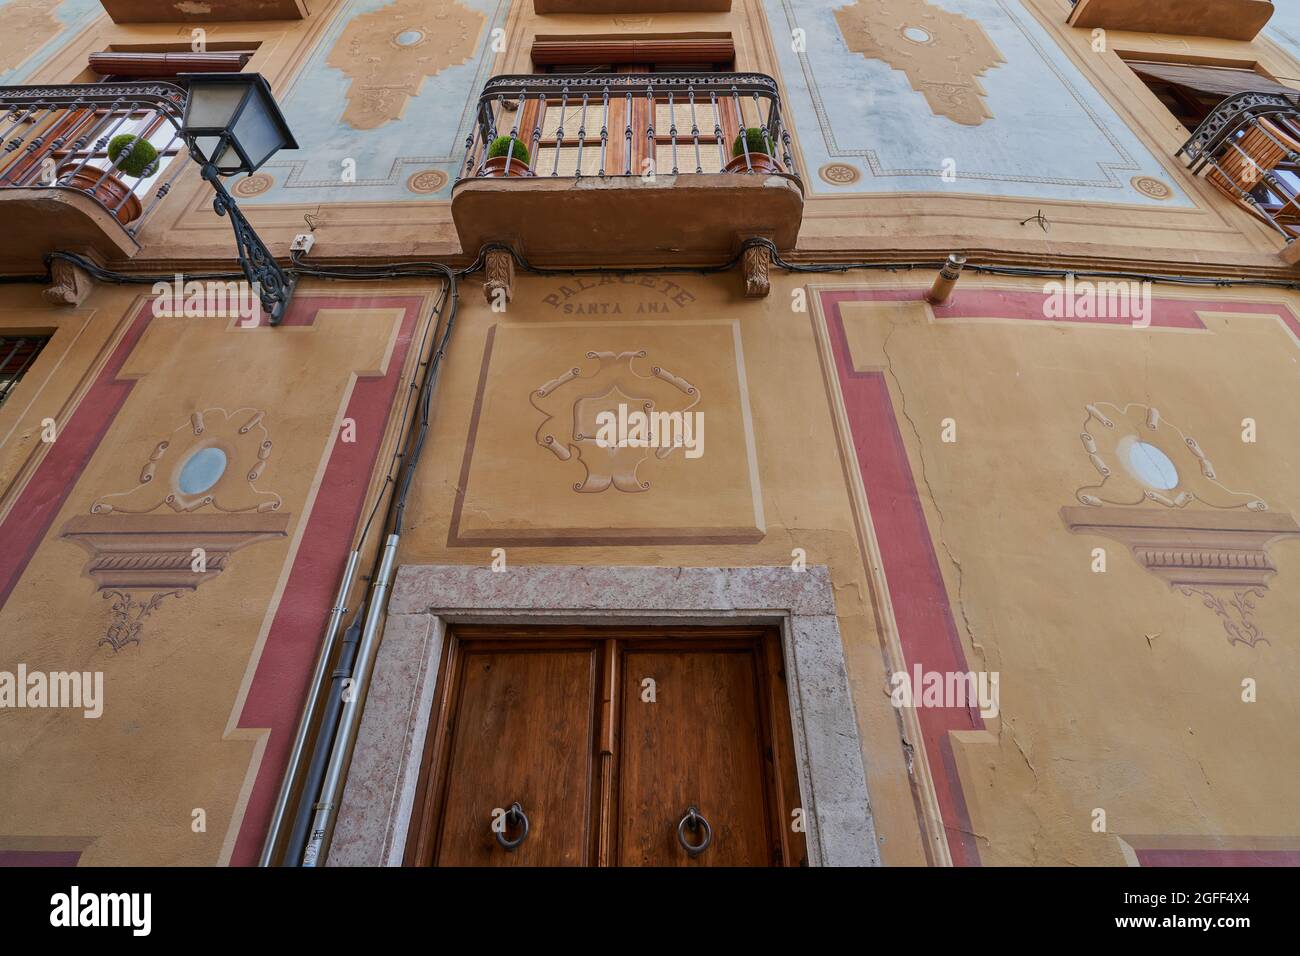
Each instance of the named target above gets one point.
<point>398,270</point>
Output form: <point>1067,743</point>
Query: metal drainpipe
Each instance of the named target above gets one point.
<point>320,751</point>
<point>332,790</point>
<point>309,708</point>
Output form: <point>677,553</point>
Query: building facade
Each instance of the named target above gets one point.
<point>696,517</point>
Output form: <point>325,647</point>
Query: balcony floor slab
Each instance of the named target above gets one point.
<point>683,219</point>
<point>1224,19</point>
<point>40,221</point>
<point>169,11</point>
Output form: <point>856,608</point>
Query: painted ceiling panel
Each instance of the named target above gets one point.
<point>382,107</point>
<point>968,96</point>
<point>31,31</point>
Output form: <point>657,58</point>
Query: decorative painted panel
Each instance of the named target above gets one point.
<point>32,30</point>
<point>967,96</point>
<point>382,108</point>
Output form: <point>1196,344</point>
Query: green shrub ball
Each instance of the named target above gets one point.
<point>501,147</point>
<point>141,158</point>
<point>755,139</point>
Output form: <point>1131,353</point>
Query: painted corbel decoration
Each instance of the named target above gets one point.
<point>942,54</point>
<point>617,387</point>
<point>196,503</point>
<point>1160,495</point>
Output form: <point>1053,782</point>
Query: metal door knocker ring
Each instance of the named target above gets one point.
<point>693,821</point>
<point>514,815</point>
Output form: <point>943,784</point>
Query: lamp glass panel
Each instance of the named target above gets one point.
<point>257,132</point>
<point>211,105</point>
<point>204,145</point>
<point>228,161</point>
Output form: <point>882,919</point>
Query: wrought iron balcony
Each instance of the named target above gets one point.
<point>59,188</point>
<point>628,167</point>
<point>1249,148</point>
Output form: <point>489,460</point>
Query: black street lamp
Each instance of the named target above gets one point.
<point>233,125</point>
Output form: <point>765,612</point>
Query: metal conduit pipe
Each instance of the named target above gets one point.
<point>320,751</point>
<point>340,754</point>
<point>309,709</point>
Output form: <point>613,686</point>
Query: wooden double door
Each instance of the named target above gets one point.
<point>572,747</point>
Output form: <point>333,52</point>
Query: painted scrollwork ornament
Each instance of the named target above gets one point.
<point>196,501</point>
<point>1160,495</point>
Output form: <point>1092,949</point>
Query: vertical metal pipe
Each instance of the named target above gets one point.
<point>309,708</point>
<point>582,139</point>
<point>717,129</point>
<point>672,129</point>
<point>604,131</point>
<point>651,151</point>
<point>627,136</point>
<point>559,131</point>
<point>740,122</point>
<point>322,746</point>
<point>537,131</point>
<point>332,789</point>
<point>695,130</point>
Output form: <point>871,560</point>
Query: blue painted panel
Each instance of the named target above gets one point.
<point>1051,135</point>
<point>429,134</point>
<point>71,14</point>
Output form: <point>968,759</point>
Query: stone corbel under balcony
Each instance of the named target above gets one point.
<point>1225,19</point>
<point>206,11</point>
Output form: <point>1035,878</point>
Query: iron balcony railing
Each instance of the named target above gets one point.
<point>58,137</point>
<point>1249,148</point>
<point>628,124</point>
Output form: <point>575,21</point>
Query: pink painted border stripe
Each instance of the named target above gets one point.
<point>280,681</point>
<point>927,628</point>
<point>40,502</point>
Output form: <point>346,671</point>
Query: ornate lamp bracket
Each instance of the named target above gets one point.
<point>273,285</point>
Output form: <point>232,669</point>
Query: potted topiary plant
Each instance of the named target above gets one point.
<point>133,155</point>
<point>760,147</point>
<point>507,156</point>
<point>129,155</point>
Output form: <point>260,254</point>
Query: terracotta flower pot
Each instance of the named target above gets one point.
<point>113,193</point>
<point>496,167</point>
<point>760,162</point>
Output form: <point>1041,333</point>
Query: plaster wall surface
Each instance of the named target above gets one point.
<point>826,408</point>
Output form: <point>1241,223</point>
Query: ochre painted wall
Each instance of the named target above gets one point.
<point>825,406</point>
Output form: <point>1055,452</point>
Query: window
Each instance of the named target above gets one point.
<point>1252,166</point>
<point>691,133</point>
<point>17,353</point>
<point>1191,91</point>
